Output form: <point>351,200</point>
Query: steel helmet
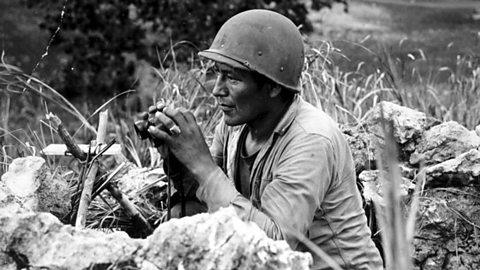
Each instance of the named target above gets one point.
<point>263,41</point>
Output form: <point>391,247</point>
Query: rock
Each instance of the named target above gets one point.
<point>363,146</point>
<point>205,241</point>
<point>29,186</point>
<point>443,142</point>
<point>372,190</point>
<point>373,187</point>
<point>219,241</point>
<point>461,171</point>
<point>477,130</point>
<point>10,203</point>
<point>40,241</point>
<point>408,124</point>
<point>23,178</point>
<point>447,234</point>
<point>25,175</point>
<point>54,195</point>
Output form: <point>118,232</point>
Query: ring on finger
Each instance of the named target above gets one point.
<point>175,130</point>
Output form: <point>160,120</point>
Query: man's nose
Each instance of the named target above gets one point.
<point>220,88</point>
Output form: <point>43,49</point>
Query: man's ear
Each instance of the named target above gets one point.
<point>274,90</point>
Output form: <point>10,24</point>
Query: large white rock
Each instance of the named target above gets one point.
<point>28,185</point>
<point>220,241</point>
<point>25,175</point>
<point>443,142</point>
<point>205,241</point>
<point>373,186</point>
<point>22,180</point>
<point>463,170</point>
<point>408,124</point>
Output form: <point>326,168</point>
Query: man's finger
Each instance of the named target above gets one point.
<point>152,109</point>
<point>175,130</point>
<point>189,116</point>
<point>178,115</point>
<point>159,134</point>
<point>160,106</point>
<point>164,120</point>
<point>167,122</point>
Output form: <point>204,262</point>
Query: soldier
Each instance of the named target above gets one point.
<point>279,161</point>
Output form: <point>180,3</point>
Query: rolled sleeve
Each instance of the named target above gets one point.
<point>217,191</point>
<point>218,144</point>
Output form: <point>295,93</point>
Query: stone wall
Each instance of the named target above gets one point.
<point>447,232</point>
<point>37,240</point>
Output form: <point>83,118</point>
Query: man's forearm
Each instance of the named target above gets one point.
<point>215,188</point>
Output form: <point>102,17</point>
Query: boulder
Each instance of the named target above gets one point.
<point>22,180</point>
<point>443,142</point>
<point>364,148</point>
<point>447,231</point>
<point>28,185</point>
<point>54,195</point>
<point>220,241</point>
<point>206,241</point>
<point>408,124</point>
<point>373,186</point>
<point>463,170</point>
<point>41,241</point>
<point>25,175</point>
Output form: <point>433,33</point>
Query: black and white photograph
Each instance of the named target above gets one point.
<point>239,134</point>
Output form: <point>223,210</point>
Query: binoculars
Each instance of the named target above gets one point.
<point>141,126</point>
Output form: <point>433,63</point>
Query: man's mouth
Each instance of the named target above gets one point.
<point>225,107</point>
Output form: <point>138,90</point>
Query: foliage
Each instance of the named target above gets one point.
<point>319,4</point>
<point>102,41</point>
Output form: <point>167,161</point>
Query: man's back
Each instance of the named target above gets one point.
<point>340,225</point>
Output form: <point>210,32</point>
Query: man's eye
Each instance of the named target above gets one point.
<point>232,78</point>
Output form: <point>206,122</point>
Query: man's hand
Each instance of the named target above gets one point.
<point>188,145</point>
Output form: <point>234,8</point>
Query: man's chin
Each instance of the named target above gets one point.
<point>230,122</point>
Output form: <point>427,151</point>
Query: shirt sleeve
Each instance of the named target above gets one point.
<point>301,178</point>
<point>218,144</point>
<point>180,175</point>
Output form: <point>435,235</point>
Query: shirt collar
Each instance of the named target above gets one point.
<point>288,117</point>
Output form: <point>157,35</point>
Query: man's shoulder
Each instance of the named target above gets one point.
<point>313,120</point>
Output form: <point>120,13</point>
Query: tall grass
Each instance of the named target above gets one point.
<point>348,96</point>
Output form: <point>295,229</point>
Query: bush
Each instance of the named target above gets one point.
<point>103,40</point>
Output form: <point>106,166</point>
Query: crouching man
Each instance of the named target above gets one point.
<point>279,161</point>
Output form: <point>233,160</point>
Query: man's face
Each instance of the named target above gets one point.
<point>239,96</point>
